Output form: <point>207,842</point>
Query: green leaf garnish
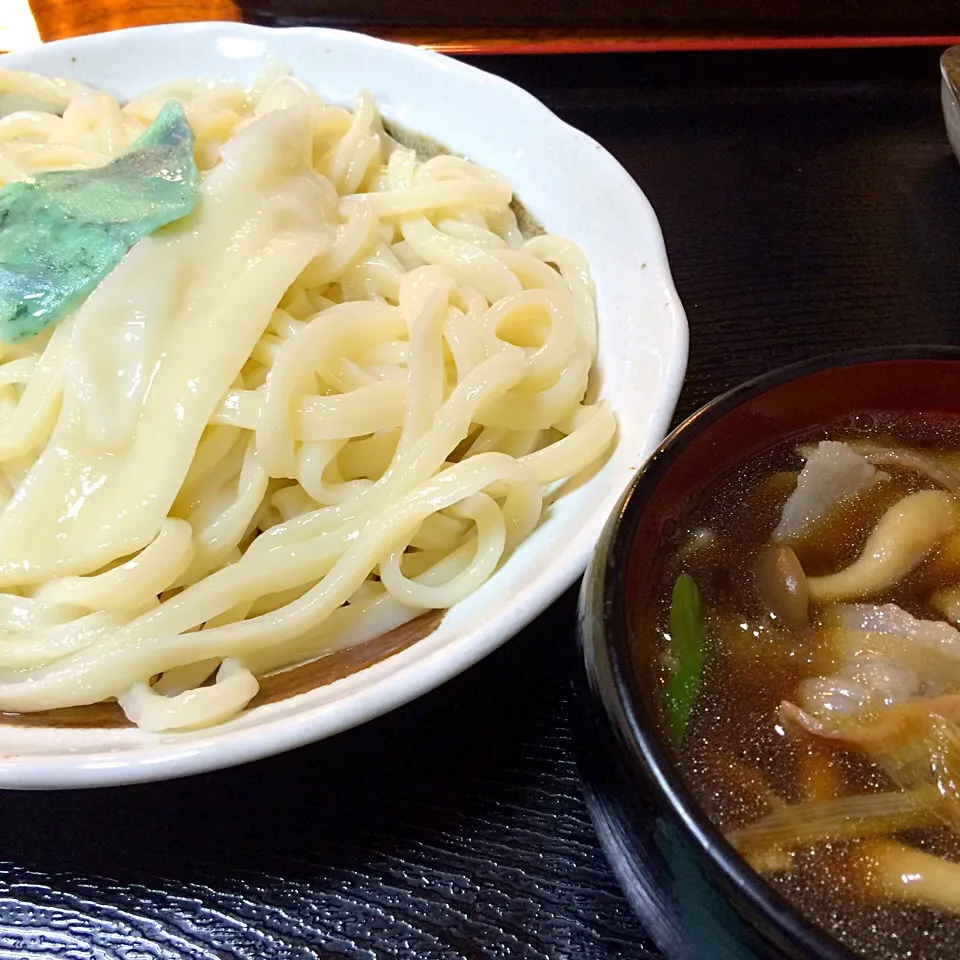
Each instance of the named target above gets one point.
<point>688,633</point>
<point>61,233</point>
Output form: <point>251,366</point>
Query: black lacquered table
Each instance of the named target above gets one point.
<point>810,203</point>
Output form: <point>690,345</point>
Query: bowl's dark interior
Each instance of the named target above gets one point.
<point>716,440</point>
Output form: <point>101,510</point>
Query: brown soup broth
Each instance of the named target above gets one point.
<point>735,754</point>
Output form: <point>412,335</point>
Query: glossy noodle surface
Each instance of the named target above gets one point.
<point>331,398</point>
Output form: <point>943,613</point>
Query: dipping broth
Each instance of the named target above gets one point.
<point>810,671</point>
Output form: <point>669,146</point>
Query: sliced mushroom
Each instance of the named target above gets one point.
<point>890,870</point>
<point>906,533</point>
<point>782,585</point>
<point>947,601</point>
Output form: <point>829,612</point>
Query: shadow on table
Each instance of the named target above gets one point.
<point>450,828</point>
<point>416,765</point>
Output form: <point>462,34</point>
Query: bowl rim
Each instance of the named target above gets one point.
<point>64,764</point>
<point>639,739</point>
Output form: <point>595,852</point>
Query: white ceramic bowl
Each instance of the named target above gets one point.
<point>573,187</point>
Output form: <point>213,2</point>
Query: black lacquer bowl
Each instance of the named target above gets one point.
<point>697,897</point>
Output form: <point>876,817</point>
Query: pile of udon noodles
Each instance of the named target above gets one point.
<point>332,398</point>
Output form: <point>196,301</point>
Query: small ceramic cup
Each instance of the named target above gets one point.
<point>695,895</point>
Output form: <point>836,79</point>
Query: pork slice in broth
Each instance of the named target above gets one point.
<point>834,472</point>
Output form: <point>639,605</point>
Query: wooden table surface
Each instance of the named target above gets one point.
<point>57,19</point>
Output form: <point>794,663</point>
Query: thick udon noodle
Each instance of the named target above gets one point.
<point>333,397</point>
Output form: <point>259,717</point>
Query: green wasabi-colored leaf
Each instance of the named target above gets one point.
<point>61,233</point>
<point>688,634</point>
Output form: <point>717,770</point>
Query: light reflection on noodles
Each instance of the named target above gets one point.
<point>331,398</point>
